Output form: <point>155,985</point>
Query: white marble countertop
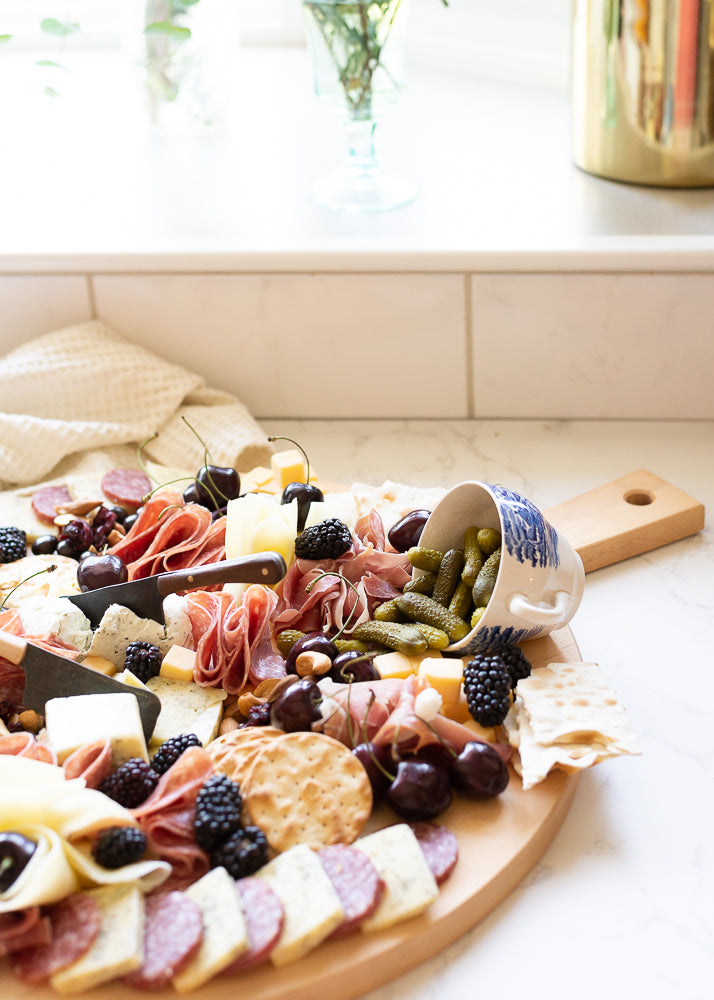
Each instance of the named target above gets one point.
<point>492,161</point>
<point>621,903</point>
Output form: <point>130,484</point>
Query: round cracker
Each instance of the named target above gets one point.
<point>233,753</point>
<point>307,788</point>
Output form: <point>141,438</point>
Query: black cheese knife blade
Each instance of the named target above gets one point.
<point>146,597</point>
<point>48,676</point>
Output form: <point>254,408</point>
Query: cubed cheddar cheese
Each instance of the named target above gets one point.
<point>482,732</point>
<point>395,665</point>
<point>130,679</point>
<point>258,478</point>
<point>445,675</point>
<point>79,719</point>
<point>101,664</point>
<point>178,664</point>
<point>288,467</point>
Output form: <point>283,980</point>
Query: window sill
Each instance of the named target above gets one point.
<point>91,188</point>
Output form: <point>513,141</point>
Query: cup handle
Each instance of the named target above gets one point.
<point>521,607</point>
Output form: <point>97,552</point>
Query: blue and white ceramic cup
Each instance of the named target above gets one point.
<point>540,580</point>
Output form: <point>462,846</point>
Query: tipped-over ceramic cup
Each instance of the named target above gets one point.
<point>540,579</point>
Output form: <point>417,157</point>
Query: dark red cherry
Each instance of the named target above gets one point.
<point>297,707</point>
<point>96,571</point>
<point>479,771</point>
<point>313,642</point>
<point>16,850</point>
<point>436,754</point>
<point>355,666</point>
<point>407,531</point>
<point>216,485</point>
<point>305,494</point>
<point>420,790</point>
<point>376,760</point>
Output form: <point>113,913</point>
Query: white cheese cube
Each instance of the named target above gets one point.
<point>79,719</point>
<point>56,616</point>
<point>225,935</point>
<point>409,885</point>
<point>117,949</point>
<point>182,708</point>
<point>311,906</point>
<point>178,664</point>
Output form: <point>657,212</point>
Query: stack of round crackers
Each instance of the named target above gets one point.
<point>299,788</point>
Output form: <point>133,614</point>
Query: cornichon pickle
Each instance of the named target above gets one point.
<point>427,559</point>
<point>423,584</point>
<point>461,602</point>
<point>350,646</point>
<point>489,539</point>
<point>286,639</point>
<point>421,608</point>
<point>436,638</point>
<point>388,612</point>
<point>448,576</point>
<point>404,637</point>
<point>486,580</point>
<point>477,616</point>
<point>473,557</point>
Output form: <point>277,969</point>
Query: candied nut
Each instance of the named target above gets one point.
<point>312,664</point>
<point>81,506</point>
<point>227,726</point>
<point>247,701</point>
<point>30,721</point>
<point>116,535</point>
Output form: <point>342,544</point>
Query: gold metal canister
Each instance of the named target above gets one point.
<point>643,91</point>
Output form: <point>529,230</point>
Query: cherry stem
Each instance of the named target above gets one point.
<point>349,583</point>
<point>439,737</point>
<point>142,463</point>
<point>47,569</point>
<point>380,767</point>
<point>300,448</point>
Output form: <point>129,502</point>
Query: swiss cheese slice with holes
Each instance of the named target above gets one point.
<point>566,715</point>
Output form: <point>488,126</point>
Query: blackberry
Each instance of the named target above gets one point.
<point>171,749</point>
<point>328,540</point>
<point>218,811</point>
<point>118,846</point>
<point>13,544</point>
<point>131,784</point>
<point>143,659</point>
<point>487,685</point>
<point>517,662</point>
<point>243,853</point>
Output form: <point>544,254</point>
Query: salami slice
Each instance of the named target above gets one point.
<point>44,502</point>
<point>440,848</point>
<point>264,918</point>
<point>173,931</point>
<point>127,487</point>
<point>356,882</point>
<point>75,923</point>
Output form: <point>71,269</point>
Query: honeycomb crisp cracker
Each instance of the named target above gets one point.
<point>567,716</point>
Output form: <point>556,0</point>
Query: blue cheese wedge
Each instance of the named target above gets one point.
<point>117,949</point>
<point>409,886</point>
<point>225,934</point>
<point>311,906</point>
<point>56,616</point>
<point>186,708</point>
<point>80,719</point>
<point>120,626</point>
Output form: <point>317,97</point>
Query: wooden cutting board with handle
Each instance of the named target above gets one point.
<point>500,839</point>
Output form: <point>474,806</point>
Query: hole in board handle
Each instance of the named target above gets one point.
<point>640,498</point>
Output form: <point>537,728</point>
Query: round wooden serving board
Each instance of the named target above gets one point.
<point>500,840</point>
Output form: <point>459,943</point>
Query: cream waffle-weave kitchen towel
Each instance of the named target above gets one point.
<point>87,389</point>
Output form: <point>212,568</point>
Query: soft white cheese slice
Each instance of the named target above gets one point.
<point>56,616</point>
<point>409,886</point>
<point>225,935</point>
<point>117,949</point>
<point>80,719</point>
<point>311,906</point>
<point>186,708</point>
<point>120,626</point>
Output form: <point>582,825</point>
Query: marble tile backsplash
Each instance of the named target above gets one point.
<point>434,345</point>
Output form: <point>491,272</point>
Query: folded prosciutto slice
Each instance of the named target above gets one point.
<point>166,818</point>
<point>92,762</point>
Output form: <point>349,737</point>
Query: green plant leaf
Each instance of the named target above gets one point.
<point>51,63</point>
<point>4,38</point>
<point>51,92</point>
<point>173,31</point>
<point>51,26</point>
